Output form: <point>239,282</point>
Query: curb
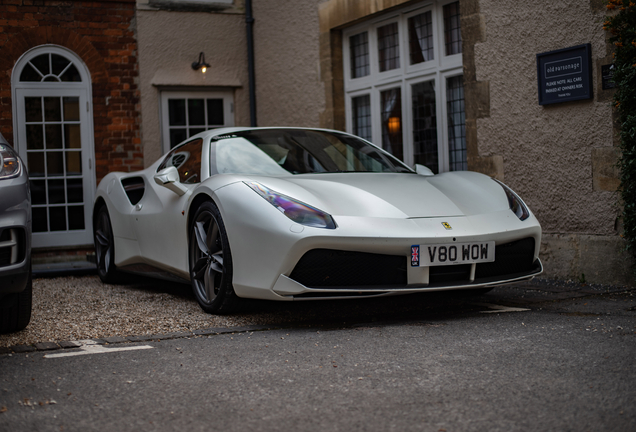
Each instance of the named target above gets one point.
<point>72,268</point>
<point>52,346</point>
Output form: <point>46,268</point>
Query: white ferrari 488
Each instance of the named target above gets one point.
<point>303,214</point>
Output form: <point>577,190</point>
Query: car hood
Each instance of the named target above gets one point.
<point>393,195</point>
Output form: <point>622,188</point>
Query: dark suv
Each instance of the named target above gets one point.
<point>15,241</point>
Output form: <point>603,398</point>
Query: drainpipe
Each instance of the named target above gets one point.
<point>249,20</point>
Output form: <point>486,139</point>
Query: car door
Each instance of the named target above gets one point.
<point>160,217</point>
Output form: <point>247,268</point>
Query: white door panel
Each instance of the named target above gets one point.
<point>161,228</point>
<point>55,143</point>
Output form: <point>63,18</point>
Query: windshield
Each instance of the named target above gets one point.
<point>295,151</point>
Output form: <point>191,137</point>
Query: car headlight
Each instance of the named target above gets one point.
<point>295,210</point>
<point>517,205</point>
<point>9,162</point>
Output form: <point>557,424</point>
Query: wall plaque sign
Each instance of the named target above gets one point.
<point>607,75</point>
<point>565,75</point>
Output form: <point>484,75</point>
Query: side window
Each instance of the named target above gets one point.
<point>187,159</point>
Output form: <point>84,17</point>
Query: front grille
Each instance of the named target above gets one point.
<point>326,268</point>
<point>447,275</point>
<point>11,246</point>
<point>321,268</point>
<point>510,259</point>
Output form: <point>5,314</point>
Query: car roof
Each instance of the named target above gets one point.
<point>229,130</point>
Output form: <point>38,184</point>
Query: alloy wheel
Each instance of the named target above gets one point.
<point>207,257</point>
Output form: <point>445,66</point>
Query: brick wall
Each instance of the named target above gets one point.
<point>103,35</point>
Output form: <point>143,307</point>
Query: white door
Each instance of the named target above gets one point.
<point>54,138</point>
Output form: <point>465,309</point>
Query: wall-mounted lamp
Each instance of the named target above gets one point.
<point>201,64</point>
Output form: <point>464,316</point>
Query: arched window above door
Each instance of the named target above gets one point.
<point>50,67</point>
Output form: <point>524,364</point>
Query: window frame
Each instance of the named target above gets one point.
<point>439,69</point>
<point>228,110</point>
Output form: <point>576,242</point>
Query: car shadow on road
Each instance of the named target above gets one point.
<point>408,307</point>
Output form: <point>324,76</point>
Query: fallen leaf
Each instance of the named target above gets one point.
<point>3,409</point>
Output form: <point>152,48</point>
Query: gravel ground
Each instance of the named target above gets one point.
<point>76,308</point>
<point>111,310</point>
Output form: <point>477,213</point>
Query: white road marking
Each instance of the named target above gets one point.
<point>498,308</point>
<point>95,349</point>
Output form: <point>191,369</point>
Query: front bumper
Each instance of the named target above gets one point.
<point>267,248</point>
<point>15,234</point>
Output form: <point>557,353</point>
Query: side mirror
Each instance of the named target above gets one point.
<point>423,171</point>
<point>169,178</point>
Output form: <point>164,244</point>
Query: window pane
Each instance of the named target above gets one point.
<point>36,164</point>
<point>71,75</point>
<point>177,135</point>
<point>74,190</point>
<point>452,29</point>
<point>53,136</point>
<point>35,137</point>
<point>41,63</point>
<point>74,163</point>
<point>38,192</point>
<point>194,131</point>
<point>33,109</point>
<point>176,112</point>
<point>456,124</point>
<point>391,111</point>
<point>425,125</point>
<point>359,53</point>
<point>56,191</point>
<point>76,218</point>
<point>361,107</point>
<point>215,112</point>
<point>55,163</point>
<point>29,74</point>
<point>39,219</point>
<point>196,112</point>
<point>71,108</point>
<point>388,47</point>
<point>72,137</point>
<point>59,63</point>
<point>57,217</point>
<point>421,38</point>
<point>52,109</point>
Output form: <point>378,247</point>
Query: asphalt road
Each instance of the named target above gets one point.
<point>506,361</point>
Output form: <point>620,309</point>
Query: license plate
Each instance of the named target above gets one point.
<point>451,254</point>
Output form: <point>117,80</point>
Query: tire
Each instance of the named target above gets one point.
<point>211,261</point>
<point>15,309</point>
<point>105,248</point>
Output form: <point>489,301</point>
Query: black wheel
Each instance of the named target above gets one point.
<point>211,261</point>
<point>105,247</point>
<point>15,309</point>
